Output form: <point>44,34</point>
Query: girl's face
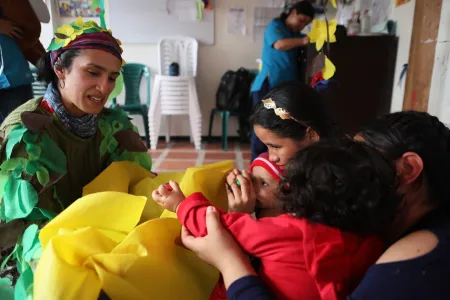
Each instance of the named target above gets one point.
<point>281,149</point>
<point>266,188</point>
<point>88,82</point>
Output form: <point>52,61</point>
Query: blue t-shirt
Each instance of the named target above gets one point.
<point>280,66</point>
<point>16,70</point>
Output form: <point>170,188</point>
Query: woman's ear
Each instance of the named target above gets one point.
<point>60,73</point>
<point>409,167</point>
<point>312,134</point>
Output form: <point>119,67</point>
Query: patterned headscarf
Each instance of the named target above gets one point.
<point>83,35</point>
<point>95,40</point>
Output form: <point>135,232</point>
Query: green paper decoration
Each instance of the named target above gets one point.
<point>24,285</point>
<point>40,214</point>
<point>6,289</point>
<point>43,176</point>
<point>33,151</point>
<point>11,164</point>
<point>14,137</point>
<point>19,197</point>
<point>30,243</point>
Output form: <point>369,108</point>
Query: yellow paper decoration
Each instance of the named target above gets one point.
<point>333,2</point>
<point>96,243</point>
<point>329,69</point>
<point>319,35</point>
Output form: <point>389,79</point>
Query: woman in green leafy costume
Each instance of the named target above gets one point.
<point>54,145</point>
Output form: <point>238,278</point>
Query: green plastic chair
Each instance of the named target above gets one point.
<point>132,75</point>
<point>225,115</point>
<point>39,87</point>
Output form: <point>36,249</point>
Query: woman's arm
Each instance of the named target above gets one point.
<point>237,272</point>
<point>290,43</point>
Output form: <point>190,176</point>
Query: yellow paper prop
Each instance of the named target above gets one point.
<point>329,69</point>
<point>319,35</point>
<point>96,243</point>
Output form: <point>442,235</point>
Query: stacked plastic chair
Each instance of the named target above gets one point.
<point>176,95</point>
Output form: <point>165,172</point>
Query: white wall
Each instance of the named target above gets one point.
<point>439,101</point>
<point>404,16</point>
<point>228,52</point>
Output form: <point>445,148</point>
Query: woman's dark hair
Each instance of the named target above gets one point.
<point>44,68</point>
<point>304,104</point>
<point>411,131</point>
<point>341,183</point>
<point>301,7</point>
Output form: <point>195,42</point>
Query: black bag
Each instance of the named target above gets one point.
<point>234,90</point>
<point>233,95</point>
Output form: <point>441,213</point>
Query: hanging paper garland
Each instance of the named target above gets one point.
<point>323,31</point>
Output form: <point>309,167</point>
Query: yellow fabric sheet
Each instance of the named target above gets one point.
<point>114,239</point>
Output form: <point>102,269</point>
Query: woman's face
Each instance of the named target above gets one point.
<point>281,149</point>
<point>297,22</point>
<point>88,82</point>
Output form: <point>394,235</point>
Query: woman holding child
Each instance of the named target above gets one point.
<point>415,263</point>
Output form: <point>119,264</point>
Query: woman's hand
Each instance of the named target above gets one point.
<point>10,29</point>
<point>240,198</point>
<point>219,249</point>
<point>169,196</point>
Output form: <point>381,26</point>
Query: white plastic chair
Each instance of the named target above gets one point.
<point>176,95</point>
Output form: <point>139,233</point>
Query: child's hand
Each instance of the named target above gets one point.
<point>241,198</point>
<point>167,198</point>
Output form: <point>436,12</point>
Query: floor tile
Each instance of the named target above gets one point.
<point>176,164</point>
<point>220,155</point>
<point>182,155</point>
<point>246,155</point>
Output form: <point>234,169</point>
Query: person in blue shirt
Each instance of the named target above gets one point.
<point>280,56</point>
<point>20,29</point>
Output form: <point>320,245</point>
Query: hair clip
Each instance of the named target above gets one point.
<point>281,112</point>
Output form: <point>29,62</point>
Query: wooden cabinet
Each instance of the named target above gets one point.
<point>361,89</point>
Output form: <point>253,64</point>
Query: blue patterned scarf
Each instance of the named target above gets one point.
<point>83,127</point>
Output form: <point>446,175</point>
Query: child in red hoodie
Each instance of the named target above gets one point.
<point>334,198</point>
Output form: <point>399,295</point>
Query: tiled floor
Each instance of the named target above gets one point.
<point>179,155</point>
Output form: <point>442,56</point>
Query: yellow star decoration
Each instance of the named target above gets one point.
<point>319,35</point>
<point>65,34</point>
<point>333,2</point>
<point>329,69</point>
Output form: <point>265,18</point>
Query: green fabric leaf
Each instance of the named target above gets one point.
<point>13,163</point>
<point>116,127</point>
<point>54,46</point>
<point>6,289</point>
<point>118,88</point>
<point>40,214</point>
<point>52,156</point>
<point>14,137</point>
<point>105,128</point>
<point>21,291</point>
<point>19,198</point>
<point>144,160</point>
<point>30,242</point>
<point>32,167</point>
<point>104,146</point>
<point>112,145</point>
<point>30,137</point>
<point>43,176</point>
<point>34,151</point>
